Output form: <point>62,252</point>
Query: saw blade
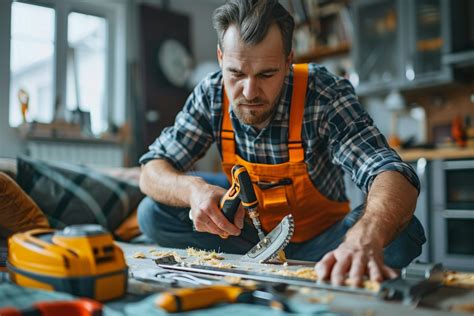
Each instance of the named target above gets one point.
<point>275,241</point>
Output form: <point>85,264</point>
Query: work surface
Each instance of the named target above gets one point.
<point>310,300</point>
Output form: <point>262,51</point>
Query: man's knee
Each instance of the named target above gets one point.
<point>146,217</point>
<point>407,246</point>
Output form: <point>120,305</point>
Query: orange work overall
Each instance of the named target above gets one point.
<point>286,188</point>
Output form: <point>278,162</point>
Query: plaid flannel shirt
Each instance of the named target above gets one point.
<point>338,135</point>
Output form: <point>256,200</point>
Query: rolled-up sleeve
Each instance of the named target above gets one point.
<point>189,138</point>
<point>357,145</point>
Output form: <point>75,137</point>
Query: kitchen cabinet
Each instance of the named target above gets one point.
<point>399,44</point>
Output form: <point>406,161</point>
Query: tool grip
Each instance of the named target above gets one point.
<point>194,298</point>
<point>247,192</point>
<point>229,207</point>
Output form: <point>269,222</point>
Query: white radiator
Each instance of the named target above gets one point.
<point>89,154</point>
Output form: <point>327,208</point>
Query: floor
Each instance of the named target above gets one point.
<point>339,303</point>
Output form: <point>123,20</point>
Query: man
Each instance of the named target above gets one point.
<point>296,129</point>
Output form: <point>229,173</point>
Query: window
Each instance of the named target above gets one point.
<point>32,62</point>
<point>86,67</point>
<point>68,56</point>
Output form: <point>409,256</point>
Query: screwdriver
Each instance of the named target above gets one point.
<point>241,191</point>
<point>186,299</point>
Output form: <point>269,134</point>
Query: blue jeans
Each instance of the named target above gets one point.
<point>171,227</point>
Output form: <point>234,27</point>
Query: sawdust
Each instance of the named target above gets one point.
<point>211,258</point>
<point>161,254</point>
<point>459,279</point>
<point>204,255</point>
<point>235,280</point>
<point>305,273</point>
<point>369,285</point>
<point>139,255</point>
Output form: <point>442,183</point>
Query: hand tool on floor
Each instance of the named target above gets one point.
<point>79,307</point>
<point>189,299</point>
<point>242,191</point>
<point>81,259</point>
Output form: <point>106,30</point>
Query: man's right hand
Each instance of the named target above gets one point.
<point>208,217</point>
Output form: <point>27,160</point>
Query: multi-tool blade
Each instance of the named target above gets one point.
<point>273,242</point>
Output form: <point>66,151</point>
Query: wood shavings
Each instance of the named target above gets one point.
<point>459,279</point>
<point>305,273</point>
<point>161,254</point>
<point>139,255</point>
<point>204,255</point>
<point>232,279</point>
<point>218,264</point>
<point>326,298</point>
<point>371,285</point>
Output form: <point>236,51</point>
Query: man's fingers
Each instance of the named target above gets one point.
<point>389,273</point>
<point>239,217</point>
<point>324,266</point>
<point>205,224</point>
<point>357,271</point>
<point>214,229</point>
<point>340,270</point>
<point>375,270</point>
<point>221,221</point>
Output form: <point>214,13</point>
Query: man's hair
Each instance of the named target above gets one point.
<point>253,18</point>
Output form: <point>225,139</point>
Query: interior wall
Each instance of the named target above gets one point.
<point>10,143</point>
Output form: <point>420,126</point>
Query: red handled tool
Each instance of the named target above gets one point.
<point>80,307</point>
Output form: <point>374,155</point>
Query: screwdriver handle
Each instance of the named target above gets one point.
<point>247,192</point>
<point>194,298</point>
<point>229,206</point>
<point>241,191</point>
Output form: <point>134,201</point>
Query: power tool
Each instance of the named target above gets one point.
<point>81,259</point>
<point>242,191</point>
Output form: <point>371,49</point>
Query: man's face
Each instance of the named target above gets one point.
<point>253,75</point>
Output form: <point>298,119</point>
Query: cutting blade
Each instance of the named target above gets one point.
<point>275,241</point>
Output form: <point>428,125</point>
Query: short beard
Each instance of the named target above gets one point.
<point>251,117</point>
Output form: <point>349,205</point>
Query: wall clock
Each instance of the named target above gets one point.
<point>175,62</point>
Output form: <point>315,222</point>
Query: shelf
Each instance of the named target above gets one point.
<point>321,52</point>
<point>62,132</point>
<point>436,154</point>
<point>465,58</point>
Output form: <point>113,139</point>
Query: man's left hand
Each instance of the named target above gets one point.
<point>354,259</point>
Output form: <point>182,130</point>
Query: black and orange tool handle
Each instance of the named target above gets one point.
<point>80,307</point>
<point>247,192</point>
<point>241,190</point>
<point>195,298</point>
<point>229,206</point>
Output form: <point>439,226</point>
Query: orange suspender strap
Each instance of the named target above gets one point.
<point>295,145</point>
<point>227,132</point>
<point>300,81</point>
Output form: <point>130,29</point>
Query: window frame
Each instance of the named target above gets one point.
<point>114,13</point>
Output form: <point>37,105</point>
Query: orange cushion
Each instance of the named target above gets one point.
<point>18,212</point>
<point>129,228</point>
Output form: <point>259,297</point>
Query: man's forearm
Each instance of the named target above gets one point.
<point>163,183</point>
<point>390,205</point>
